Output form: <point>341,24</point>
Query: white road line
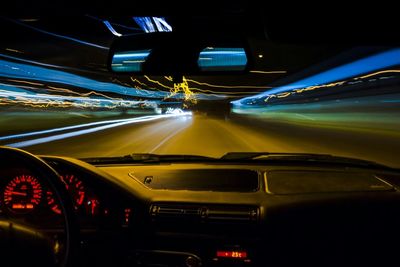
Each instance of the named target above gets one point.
<point>168,138</point>
<point>304,116</point>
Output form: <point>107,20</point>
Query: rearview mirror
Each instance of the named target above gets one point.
<point>167,53</point>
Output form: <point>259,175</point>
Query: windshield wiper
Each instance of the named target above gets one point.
<point>238,157</point>
<point>299,157</point>
<point>148,158</point>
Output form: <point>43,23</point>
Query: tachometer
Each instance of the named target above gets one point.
<point>75,188</point>
<point>23,193</point>
<point>54,206</point>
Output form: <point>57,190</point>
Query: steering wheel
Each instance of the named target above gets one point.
<point>18,242</point>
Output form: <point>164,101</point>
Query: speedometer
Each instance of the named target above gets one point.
<point>23,193</point>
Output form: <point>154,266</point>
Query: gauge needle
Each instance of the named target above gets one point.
<point>18,193</point>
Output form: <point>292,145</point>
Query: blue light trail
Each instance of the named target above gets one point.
<point>362,66</point>
<point>110,27</point>
<point>162,25</point>
<point>23,71</point>
<point>59,35</point>
<point>145,24</point>
<point>153,24</point>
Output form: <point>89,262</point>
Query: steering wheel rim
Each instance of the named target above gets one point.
<point>53,180</point>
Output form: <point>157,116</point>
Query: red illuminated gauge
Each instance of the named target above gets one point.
<point>93,206</point>
<point>76,189</point>
<point>52,202</point>
<point>23,193</point>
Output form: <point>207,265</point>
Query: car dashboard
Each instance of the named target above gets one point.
<point>214,214</point>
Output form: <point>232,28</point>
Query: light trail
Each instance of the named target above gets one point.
<point>13,70</point>
<point>195,89</point>
<point>27,82</point>
<point>92,130</point>
<point>65,90</point>
<point>15,95</point>
<point>14,50</point>
<point>145,24</point>
<point>15,136</point>
<point>378,73</point>
<point>169,78</point>
<point>35,62</point>
<point>269,72</point>
<point>57,35</point>
<point>162,25</point>
<point>369,64</point>
<point>310,88</point>
<point>153,24</point>
<point>184,87</point>
<point>159,83</point>
<point>228,86</point>
<point>116,24</point>
<point>110,27</point>
<point>143,84</point>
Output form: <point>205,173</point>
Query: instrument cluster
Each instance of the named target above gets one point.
<point>24,194</point>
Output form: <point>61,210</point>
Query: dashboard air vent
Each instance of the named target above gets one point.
<point>204,213</point>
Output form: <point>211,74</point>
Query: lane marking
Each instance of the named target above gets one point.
<point>166,139</point>
<point>304,116</point>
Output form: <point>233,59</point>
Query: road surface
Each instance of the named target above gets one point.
<point>214,136</point>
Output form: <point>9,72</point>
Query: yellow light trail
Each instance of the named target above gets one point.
<point>377,73</point>
<point>229,86</point>
<point>36,104</point>
<point>159,83</point>
<point>44,102</point>
<point>281,95</point>
<point>269,72</point>
<point>319,86</point>
<point>118,81</point>
<point>184,87</point>
<point>145,85</point>
<point>27,82</point>
<point>169,78</point>
<point>195,89</point>
<point>65,90</point>
<point>14,50</point>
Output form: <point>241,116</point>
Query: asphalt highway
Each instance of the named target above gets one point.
<point>214,136</point>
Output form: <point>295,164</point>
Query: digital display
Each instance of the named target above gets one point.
<point>232,254</point>
<point>21,206</point>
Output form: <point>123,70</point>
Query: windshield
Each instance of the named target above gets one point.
<point>58,97</point>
